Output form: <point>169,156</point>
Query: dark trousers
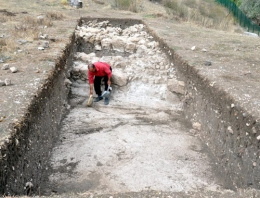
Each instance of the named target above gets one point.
<point>97,83</point>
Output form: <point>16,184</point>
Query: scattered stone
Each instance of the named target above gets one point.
<point>67,82</point>
<point>13,69</point>
<point>254,130</point>
<point>5,67</point>
<point>254,164</point>
<point>230,130</point>
<point>45,44</point>
<point>193,48</point>
<point>2,83</point>
<point>258,137</point>
<point>2,118</point>
<point>22,41</point>
<point>39,18</point>
<point>232,105</point>
<point>40,48</point>
<point>207,63</point>
<point>204,50</point>
<point>196,126</point>
<point>176,86</point>
<point>2,61</point>
<point>43,36</point>
<point>7,82</point>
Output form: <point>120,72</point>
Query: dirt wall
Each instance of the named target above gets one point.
<point>226,127</point>
<point>24,156</point>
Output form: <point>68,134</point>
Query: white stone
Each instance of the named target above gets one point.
<point>193,48</point>
<point>196,126</point>
<point>118,44</point>
<point>5,66</point>
<point>98,47</point>
<point>130,47</point>
<point>40,48</point>
<point>106,43</point>
<point>258,137</point>
<point>119,77</point>
<point>230,130</point>
<point>13,69</point>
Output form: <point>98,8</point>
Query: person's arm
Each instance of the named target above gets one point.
<point>91,82</point>
<point>109,81</point>
<point>90,89</point>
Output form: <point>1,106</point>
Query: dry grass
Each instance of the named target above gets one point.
<point>26,27</point>
<point>206,13</point>
<point>130,5</point>
<point>55,15</point>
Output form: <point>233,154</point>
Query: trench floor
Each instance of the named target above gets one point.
<point>138,142</point>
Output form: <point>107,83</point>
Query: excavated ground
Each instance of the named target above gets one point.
<point>221,98</point>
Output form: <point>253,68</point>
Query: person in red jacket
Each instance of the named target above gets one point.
<point>96,72</point>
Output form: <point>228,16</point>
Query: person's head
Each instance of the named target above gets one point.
<point>91,67</point>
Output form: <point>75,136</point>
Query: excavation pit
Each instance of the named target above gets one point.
<point>145,139</point>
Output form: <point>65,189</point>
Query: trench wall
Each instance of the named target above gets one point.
<point>24,157</point>
<point>227,128</point>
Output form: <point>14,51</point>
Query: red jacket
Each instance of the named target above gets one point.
<point>102,69</point>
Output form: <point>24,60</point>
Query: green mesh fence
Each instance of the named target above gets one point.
<point>244,21</point>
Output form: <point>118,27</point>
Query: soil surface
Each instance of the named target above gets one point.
<point>234,68</point>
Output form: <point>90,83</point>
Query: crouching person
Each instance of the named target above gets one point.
<point>97,72</point>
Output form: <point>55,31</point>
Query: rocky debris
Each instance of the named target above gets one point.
<point>196,126</point>
<point>204,50</point>
<point>67,82</point>
<point>22,41</point>
<point>193,48</point>
<point>230,130</point>
<point>135,58</point>
<point>45,44</point>
<point>2,83</point>
<point>2,118</point>
<point>43,36</point>
<point>5,67</point>
<point>119,78</point>
<point>13,69</point>
<point>40,48</point>
<point>7,82</point>
<point>176,86</point>
<point>207,63</point>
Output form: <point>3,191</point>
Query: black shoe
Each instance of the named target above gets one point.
<point>106,102</point>
<point>98,98</point>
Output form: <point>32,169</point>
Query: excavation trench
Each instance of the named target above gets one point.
<point>147,138</point>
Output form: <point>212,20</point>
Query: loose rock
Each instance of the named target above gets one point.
<point>7,82</point>
<point>13,69</point>
<point>196,126</point>
<point>5,67</point>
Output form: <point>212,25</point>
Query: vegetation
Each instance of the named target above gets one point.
<point>252,9</point>
<point>131,5</point>
<point>202,12</point>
